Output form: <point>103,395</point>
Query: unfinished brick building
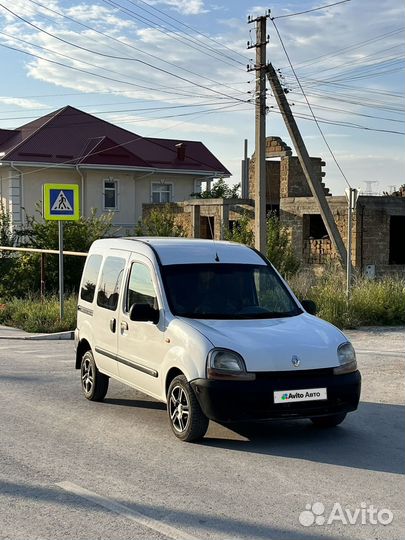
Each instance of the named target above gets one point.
<point>378,240</point>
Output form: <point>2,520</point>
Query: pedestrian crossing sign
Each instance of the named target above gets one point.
<point>61,202</point>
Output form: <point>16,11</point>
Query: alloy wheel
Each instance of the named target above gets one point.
<point>87,376</point>
<point>179,409</point>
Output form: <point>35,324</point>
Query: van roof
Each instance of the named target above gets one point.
<point>183,250</point>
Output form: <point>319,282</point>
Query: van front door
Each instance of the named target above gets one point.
<point>141,345</point>
<point>105,317</point>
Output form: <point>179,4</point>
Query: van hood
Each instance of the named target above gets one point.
<point>270,344</point>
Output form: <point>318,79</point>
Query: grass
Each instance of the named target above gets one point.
<point>373,303</point>
<point>33,315</point>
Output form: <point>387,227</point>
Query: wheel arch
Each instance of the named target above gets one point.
<point>82,347</point>
<point>170,375</point>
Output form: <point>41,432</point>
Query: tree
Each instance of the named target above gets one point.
<point>279,249</point>
<point>21,273</point>
<point>219,190</point>
<point>242,231</point>
<point>160,222</point>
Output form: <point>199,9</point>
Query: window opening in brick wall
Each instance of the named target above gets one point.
<point>397,240</point>
<point>207,227</point>
<point>314,227</point>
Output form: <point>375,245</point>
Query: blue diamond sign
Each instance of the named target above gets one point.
<point>61,202</point>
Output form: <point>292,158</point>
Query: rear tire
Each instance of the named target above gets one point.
<point>94,383</point>
<point>186,418</point>
<point>328,421</point>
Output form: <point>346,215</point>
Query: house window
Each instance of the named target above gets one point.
<point>110,194</point>
<point>162,193</point>
<point>397,240</point>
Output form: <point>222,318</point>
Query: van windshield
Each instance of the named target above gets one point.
<point>227,291</point>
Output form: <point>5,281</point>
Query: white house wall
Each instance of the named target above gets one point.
<point>134,189</point>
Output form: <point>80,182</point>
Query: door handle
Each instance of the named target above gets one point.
<point>124,326</point>
<point>113,325</point>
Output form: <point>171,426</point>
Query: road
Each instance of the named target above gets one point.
<point>72,469</point>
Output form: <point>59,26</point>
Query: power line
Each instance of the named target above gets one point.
<point>353,46</point>
<point>309,10</point>
<point>309,106</point>
<point>114,57</point>
<point>92,65</point>
<point>129,45</point>
<point>116,80</point>
<point>166,32</point>
<point>194,39</point>
<point>194,30</point>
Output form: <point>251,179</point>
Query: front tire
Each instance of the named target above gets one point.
<point>328,421</point>
<point>94,383</point>
<point>186,418</point>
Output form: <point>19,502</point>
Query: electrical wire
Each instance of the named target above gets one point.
<point>310,10</point>
<point>128,44</point>
<point>194,30</point>
<point>309,106</point>
<point>190,36</point>
<point>166,32</point>
<point>116,57</point>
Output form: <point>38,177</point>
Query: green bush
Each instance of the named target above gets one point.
<point>160,222</point>
<point>33,315</point>
<point>21,272</point>
<point>242,232</point>
<point>372,302</point>
<point>279,249</point>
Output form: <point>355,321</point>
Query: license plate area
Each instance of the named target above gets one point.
<point>296,396</point>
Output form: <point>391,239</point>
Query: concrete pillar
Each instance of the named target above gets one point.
<point>224,216</point>
<point>196,221</point>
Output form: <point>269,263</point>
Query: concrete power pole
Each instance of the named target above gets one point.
<point>305,161</point>
<point>260,130</point>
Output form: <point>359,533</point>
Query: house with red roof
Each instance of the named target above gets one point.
<point>117,170</point>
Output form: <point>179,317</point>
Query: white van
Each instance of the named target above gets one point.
<point>210,329</point>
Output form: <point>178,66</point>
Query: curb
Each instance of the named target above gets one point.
<point>69,335</point>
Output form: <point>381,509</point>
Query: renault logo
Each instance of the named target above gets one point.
<point>295,361</point>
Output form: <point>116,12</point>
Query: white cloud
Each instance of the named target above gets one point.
<point>23,103</point>
<point>154,126</point>
<point>186,7</point>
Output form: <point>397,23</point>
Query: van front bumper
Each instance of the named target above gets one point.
<point>231,401</point>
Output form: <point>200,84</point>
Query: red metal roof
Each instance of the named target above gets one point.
<point>69,135</point>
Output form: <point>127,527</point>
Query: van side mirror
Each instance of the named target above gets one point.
<point>309,306</point>
<point>144,313</point>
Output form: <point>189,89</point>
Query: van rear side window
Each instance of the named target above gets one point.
<point>90,276</point>
<point>110,283</point>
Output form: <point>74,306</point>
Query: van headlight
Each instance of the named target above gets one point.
<point>347,359</point>
<point>225,364</point>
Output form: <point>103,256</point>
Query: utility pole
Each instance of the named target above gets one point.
<point>305,161</point>
<point>260,129</point>
<point>351,195</point>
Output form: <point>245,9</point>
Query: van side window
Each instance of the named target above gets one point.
<point>90,276</point>
<point>140,287</point>
<point>110,282</point>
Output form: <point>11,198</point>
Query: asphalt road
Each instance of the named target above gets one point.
<point>72,469</point>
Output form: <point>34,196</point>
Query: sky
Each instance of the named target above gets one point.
<point>178,69</point>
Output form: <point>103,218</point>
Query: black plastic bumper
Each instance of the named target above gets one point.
<point>231,401</point>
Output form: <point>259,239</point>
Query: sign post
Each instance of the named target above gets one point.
<point>61,203</point>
